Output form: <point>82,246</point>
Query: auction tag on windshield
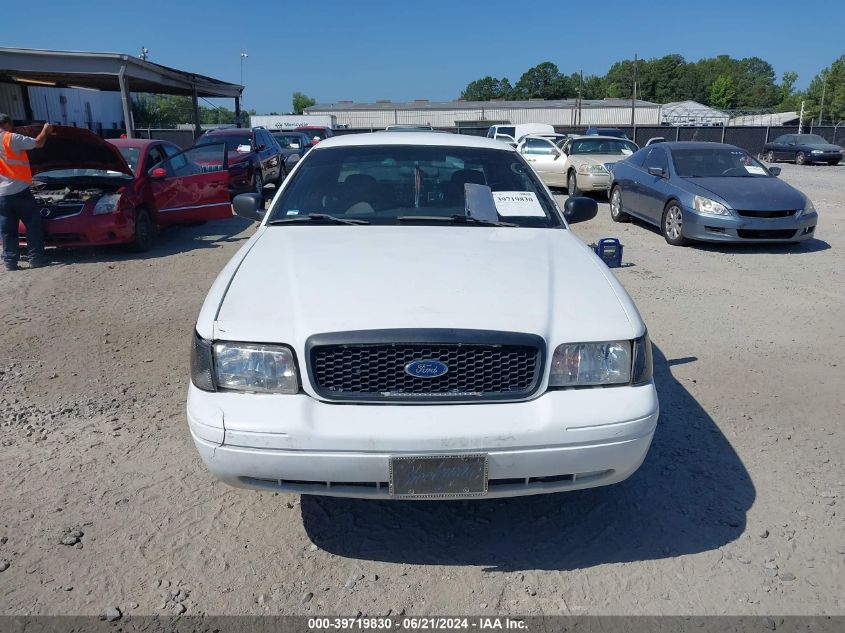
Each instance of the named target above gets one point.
<point>518,203</point>
<point>755,169</point>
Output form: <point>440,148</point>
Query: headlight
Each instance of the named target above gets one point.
<point>107,204</point>
<point>591,169</point>
<point>243,367</point>
<point>643,364</point>
<point>808,207</point>
<point>250,367</point>
<point>710,207</point>
<point>582,364</point>
<point>816,151</point>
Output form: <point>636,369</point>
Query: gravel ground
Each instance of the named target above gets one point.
<point>736,510</point>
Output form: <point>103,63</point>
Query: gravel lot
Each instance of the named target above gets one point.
<point>737,508</point>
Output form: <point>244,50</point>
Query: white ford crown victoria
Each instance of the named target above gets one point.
<point>414,319</point>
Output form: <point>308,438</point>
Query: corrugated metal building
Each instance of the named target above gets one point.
<point>447,114</point>
<point>78,107</point>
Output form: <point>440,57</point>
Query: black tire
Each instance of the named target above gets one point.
<point>800,158</point>
<point>616,212</point>
<point>258,184</point>
<point>671,224</point>
<point>833,163</point>
<point>572,184</point>
<point>145,232</point>
<point>770,157</point>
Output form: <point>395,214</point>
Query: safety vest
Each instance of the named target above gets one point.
<point>13,164</point>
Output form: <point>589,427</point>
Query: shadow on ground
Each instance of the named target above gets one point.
<point>170,241</point>
<point>691,495</point>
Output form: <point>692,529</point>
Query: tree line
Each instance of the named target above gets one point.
<point>722,82</point>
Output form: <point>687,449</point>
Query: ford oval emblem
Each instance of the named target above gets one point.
<point>426,368</point>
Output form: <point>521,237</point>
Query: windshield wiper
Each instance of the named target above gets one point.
<point>319,218</point>
<point>452,219</point>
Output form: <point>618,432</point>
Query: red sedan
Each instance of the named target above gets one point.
<point>95,192</point>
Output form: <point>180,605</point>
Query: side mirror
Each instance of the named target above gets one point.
<point>774,171</point>
<point>579,205</point>
<point>158,173</point>
<point>249,206</point>
<point>657,171</point>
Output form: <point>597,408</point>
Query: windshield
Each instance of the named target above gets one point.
<point>312,134</point>
<point>382,183</point>
<point>289,141</point>
<point>606,146</point>
<point>717,163</point>
<point>130,155</point>
<point>810,139</point>
<point>233,142</point>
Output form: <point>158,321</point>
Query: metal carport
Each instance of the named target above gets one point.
<point>110,71</point>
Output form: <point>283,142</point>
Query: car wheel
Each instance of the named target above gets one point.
<point>833,163</point>
<point>672,224</point>
<point>770,156</point>
<point>572,185</point>
<point>145,232</point>
<point>800,158</point>
<point>616,212</point>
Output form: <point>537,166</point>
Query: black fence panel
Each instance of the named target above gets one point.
<point>709,134</point>
<point>182,138</point>
<point>644,134</point>
<point>751,139</point>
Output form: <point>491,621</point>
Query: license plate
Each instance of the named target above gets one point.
<point>434,476</point>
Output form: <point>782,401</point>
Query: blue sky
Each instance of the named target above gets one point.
<point>374,49</point>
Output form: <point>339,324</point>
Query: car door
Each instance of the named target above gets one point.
<point>192,186</point>
<point>544,157</point>
<point>652,188</point>
<point>786,150</point>
<point>265,148</point>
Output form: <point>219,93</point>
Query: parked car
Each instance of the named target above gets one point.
<point>294,146</point>
<point>802,149</point>
<point>332,384</point>
<point>255,158</point>
<point>655,139</point>
<point>605,131</point>
<point>315,132</point>
<point>511,134</point>
<point>94,192</point>
<point>709,192</point>
<point>401,127</point>
<point>579,163</point>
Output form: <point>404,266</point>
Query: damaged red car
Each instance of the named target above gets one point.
<point>93,192</point>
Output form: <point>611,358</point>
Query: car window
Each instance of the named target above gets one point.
<point>505,129</point>
<point>171,150</point>
<point>196,160</point>
<point>810,139</point>
<point>381,183</point>
<point>607,146</point>
<point>289,141</point>
<point>239,143</point>
<point>131,155</point>
<point>656,158</point>
<point>717,162</point>
<point>154,157</point>
<point>537,146</point>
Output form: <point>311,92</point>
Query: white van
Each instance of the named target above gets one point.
<point>512,133</point>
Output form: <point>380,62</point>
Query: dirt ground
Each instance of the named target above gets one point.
<point>736,510</point>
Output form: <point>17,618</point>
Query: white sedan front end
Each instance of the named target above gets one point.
<point>395,359</point>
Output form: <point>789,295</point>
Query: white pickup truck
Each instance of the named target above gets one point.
<point>413,319</point>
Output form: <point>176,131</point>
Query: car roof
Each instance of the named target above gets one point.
<point>695,145</point>
<point>413,138</point>
<point>600,137</point>
<point>135,142</point>
<point>228,131</point>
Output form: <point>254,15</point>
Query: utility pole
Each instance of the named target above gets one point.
<point>144,52</point>
<point>634,96</point>
<point>580,94</point>
<point>824,85</point>
<point>243,57</point>
<point>801,119</point>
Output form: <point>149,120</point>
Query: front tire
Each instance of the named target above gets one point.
<point>616,212</point>
<point>145,231</point>
<point>572,184</point>
<point>770,156</point>
<point>833,163</point>
<point>672,224</point>
<point>800,158</point>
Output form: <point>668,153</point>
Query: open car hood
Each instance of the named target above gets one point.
<point>73,148</point>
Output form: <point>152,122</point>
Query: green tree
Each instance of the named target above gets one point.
<point>789,99</point>
<point>543,81</point>
<point>722,93</point>
<point>831,81</point>
<point>302,101</point>
<point>487,88</point>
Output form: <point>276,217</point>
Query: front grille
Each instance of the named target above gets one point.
<point>477,369</point>
<point>51,212</point>
<point>749,234</point>
<point>767,214</point>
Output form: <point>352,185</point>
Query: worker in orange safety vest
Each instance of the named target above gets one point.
<point>17,204</point>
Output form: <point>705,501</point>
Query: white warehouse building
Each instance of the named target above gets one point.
<point>450,114</point>
<point>78,107</point>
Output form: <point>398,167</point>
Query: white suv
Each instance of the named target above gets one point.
<point>414,319</point>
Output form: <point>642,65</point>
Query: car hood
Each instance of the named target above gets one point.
<point>598,159</point>
<point>825,147</point>
<point>757,194</point>
<point>73,148</point>
<point>296,281</point>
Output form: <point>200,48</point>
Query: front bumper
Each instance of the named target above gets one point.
<point>709,228</point>
<point>562,440</point>
<point>86,229</point>
<point>593,182</point>
<point>824,157</point>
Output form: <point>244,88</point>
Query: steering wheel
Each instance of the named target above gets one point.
<point>741,170</point>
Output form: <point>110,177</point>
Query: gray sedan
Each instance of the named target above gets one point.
<point>709,192</point>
